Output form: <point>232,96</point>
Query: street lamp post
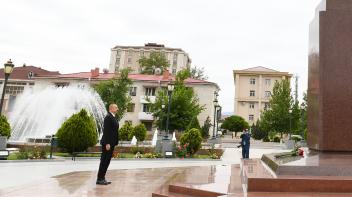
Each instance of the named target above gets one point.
<point>290,112</point>
<point>8,68</point>
<point>161,118</point>
<point>170,88</point>
<point>215,106</point>
<point>218,117</point>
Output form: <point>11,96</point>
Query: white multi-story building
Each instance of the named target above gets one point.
<point>143,87</point>
<point>253,88</point>
<point>128,56</point>
<point>20,80</point>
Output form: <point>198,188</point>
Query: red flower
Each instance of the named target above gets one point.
<point>300,152</point>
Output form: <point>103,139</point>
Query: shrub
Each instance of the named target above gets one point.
<point>266,139</point>
<point>194,123</point>
<point>295,138</point>
<point>136,149</point>
<point>258,133</point>
<point>77,133</point>
<point>152,155</point>
<point>276,139</point>
<point>140,132</point>
<point>125,132</point>
<point>193,139</point>
<point>205,128</point>
<point>5,129</point>
<point>181,151</point>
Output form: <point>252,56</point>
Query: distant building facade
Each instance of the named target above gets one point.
<point>253,89</point>
<point>128,56</point>
<point>21,79</point>
<point>143,87</point>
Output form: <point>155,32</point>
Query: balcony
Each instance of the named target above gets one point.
<point>145,116</point>
<point>147,99</point>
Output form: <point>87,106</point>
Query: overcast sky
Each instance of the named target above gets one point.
<point>221,36</point>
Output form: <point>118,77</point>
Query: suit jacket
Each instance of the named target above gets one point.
<point>110,131</point>
<point>245,141</point>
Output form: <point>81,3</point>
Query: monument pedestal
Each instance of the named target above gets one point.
<point>319,172</point>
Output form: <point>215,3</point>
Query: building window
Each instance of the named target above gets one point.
<point>252,81</point>
<point>267,94</point>
<point>251,105</point>
<point>146,108</point>
<point>266,106</point>
<point>117,53</point>
<point>130,52</point>
<point>129,60</point>
<point>141,53</point>
<point>252,93</point>
<point>251,117</point>
<point>14,90</point>
<point>174,71</point>
<point>150,91</point>
<point>130,107</point>
<point>268,82</point>
<point>133,91</point>
<point>61,84</point>
<point>117,61</point>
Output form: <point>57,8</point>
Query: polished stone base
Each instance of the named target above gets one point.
<point>315,172</point>
<point>312,164</point>
<point>201,181</point>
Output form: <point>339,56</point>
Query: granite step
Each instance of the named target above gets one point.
<point>185,190</point>
<point>258,177</point>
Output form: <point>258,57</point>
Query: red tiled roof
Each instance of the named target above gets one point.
<point>22,72</point>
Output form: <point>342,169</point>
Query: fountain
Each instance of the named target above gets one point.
<point>40,112</point>
<point>134,141</point>
<point>155,137</point>
<point>173,137</point>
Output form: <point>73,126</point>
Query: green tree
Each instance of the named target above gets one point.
<point>193,140</point>
<point>205,128</point>
<point>140,132</point>
<point>257,132</point>
<point>198,73</point>
<point>116,91</point>
<point>235,124</point>
<point>5,129</point>
<point>155,60</point>
<point>193,124</point>
<point>78,132</point>
<point>126,132</point>
<point>184,105</point>
<point>277,119</point>
<point>303,118</point>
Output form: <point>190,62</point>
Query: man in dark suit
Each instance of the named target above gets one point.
<point>108,143</point>
<point>245,143</point>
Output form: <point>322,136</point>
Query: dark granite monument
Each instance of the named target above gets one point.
<point>326,166</point>
<point>330,77</point>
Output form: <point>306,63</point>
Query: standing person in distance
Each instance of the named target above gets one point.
<point>108,143</point>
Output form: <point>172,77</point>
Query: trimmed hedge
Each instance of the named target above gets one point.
<point>5,129</point>
<point>77,133</point>
<point>193,140</point>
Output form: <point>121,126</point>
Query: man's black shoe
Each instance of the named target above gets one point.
<point>109,182</point>
<point>102,182</point>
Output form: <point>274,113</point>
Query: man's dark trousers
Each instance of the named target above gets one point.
<point>105,159</point>
<point>243,152</point>
<point>246,152</point>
